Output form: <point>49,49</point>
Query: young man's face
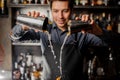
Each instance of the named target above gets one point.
<point>60,13</point>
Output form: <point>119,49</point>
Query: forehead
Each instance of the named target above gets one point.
<point>60,5</point>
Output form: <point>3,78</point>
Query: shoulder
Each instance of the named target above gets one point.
<point>88,36</point>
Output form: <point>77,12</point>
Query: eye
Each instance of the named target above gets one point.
<point>55,11</point>
<point>66,10</point>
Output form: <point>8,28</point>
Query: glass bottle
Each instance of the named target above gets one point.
<point>83,2</point>
<point>35,73</point>
<point>93,2</point>
<point>29,1</point>
<point>3,7</point>
<point>118,2</point>
<point>106,2</point>
<point>118,24</point>
<point>29,59</point>
<point>15,1</point>
<point>16,72</point>
<point>111,70</point>
<point>109,27</point>
<point>103,21</point>
<point>99,2</point>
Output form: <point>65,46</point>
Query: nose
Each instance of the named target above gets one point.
<point>60,15</point>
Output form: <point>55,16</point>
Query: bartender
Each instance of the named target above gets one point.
<point>63,51</point>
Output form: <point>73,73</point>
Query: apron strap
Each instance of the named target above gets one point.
<point>76,34</point>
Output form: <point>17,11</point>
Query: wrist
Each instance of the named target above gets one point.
<point>25,27</point>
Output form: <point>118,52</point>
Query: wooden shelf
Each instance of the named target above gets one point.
<point>3,16</point>
<point>96,7</point>
<point>26,44</point>
<point>75,6</point>
<point>25,5</point>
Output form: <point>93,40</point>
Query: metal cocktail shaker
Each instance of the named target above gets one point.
<point>37,23</point>
<point>77,26</point>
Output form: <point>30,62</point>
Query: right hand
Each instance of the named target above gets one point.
<point>33,14</point>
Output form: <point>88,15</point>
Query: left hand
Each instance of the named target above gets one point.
<point>85,18</point>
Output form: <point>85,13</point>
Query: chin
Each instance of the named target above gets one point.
<point>61,25</point>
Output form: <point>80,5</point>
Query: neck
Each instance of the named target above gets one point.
<point>63,28</point>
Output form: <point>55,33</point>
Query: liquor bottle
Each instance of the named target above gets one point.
<point>15,1</point>
<point>103,21</point>
<point>89,69</point>
<point>92,68</point>
<point>40,68</point>
<point>42,1</point>
<point>76,2</point>
<point>109,26</point>
<point>106,2</point>
<point>29,59</point>
<point>27,74</point>
<point>20,59</point>
<point>22,71</point>
<point>118,2</point>
<point>21,1</point>
<point>84,2</point>
<point>99,2</point>
<point>23,68</point>
<point>111,70</point>
<point>118,24</point>
<point>29,1</point>
<point>3,7</point>
<point>97,21</point>
<point>25,2</point>
<point>104,16</point>
<point>16,72</point>
<point>37,1</point>
<point>35,73</point>
<point>93,2</point>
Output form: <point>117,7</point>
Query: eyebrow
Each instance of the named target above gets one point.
<point>58,9</point>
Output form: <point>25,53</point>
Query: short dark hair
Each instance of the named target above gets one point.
<point>71,2</point>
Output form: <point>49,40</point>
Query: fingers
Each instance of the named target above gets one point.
<point>34,14</point>
<point>85,18</point>
<point>28,14</point>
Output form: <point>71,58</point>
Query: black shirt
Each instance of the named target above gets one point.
<point>72,52</point>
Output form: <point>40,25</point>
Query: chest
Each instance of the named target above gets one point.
<point>70,60</point>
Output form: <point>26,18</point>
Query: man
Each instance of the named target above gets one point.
<point>62,52</point>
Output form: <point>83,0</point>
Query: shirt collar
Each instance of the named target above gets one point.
<point>55,27</point>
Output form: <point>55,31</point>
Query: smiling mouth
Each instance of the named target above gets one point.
<point>61,22</point>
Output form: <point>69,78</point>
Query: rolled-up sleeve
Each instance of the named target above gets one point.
<point>16,32</point>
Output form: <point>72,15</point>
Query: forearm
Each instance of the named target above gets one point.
<point>17,32</point>
<point>23,32</point>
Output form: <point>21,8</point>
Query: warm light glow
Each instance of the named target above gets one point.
<point>4,73</point>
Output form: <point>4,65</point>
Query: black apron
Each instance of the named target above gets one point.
<point>72,62</point>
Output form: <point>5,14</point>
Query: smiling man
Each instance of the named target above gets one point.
<point>61,13</point>
<point>62,53</point>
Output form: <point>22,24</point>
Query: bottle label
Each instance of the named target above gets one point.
<point>119,28</point>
